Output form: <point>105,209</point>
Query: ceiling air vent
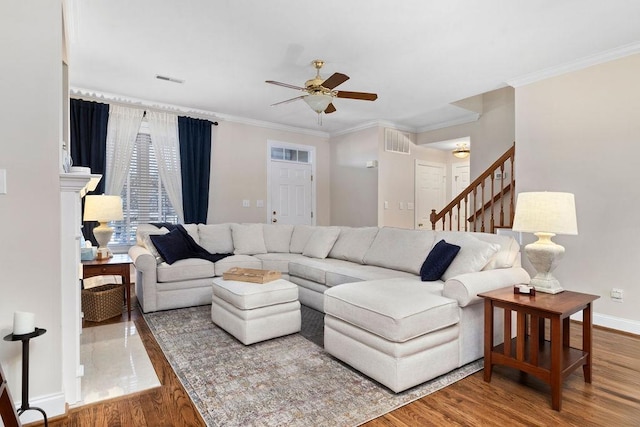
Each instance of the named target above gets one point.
<point>169,79</point>
<point>397,142</point>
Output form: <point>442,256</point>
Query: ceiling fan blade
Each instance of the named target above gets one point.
<point>289,100</point>
<point>330,109</point>
<point>357,95</point>
<point>335,80</point>
<point>284,85</point>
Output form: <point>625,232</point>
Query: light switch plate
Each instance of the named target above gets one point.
<point>3,181</point>
<point>260,203</point>
<point>246,203</point>
<point>410,206</point>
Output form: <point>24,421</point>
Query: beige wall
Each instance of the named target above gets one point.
<point>354,187</point>
<point>239,171</point>
<point>30,138</point>
<point>580,132</point>
<point>396,182</point>
<point>491,135</point>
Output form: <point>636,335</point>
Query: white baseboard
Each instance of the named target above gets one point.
<point>52,404</point>
<point>612,322</point>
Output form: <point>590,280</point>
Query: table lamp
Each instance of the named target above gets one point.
<point>545,214</point>
<point>103,209</point>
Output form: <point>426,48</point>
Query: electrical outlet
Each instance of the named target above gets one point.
<point>616,294</point>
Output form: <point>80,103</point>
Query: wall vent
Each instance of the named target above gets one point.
<point>397,142</point>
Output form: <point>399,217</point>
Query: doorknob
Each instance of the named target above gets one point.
<point>274,220</point>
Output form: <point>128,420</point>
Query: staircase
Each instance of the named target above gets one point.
<point>486,204</point>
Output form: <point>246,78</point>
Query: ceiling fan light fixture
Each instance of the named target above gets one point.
<point>318,101</point>
<point>462,152</point>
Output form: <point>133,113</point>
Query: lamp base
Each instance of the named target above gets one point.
<point>545,255</point>
<point>103,234</point>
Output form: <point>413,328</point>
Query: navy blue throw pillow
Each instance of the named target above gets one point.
<point>172,246</point>
<point>438,260</point>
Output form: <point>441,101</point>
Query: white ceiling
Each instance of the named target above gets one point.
<point>418,56</point>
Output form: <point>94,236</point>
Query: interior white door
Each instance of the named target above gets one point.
<point>461,178</point>
<point>430,191</point>
<point>291,197</point>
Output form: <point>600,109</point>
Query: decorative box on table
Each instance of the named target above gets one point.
<point>102,302</point>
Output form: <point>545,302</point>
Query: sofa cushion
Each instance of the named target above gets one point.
<point>248,239</point>
<point>248,296</point>
<point>505,257</point>
<point>395,309</point>
<point>277,261</point>
<point>400,249</point>
<point>313,269</point>
<point>300,237</point>
<point>321,242</point>
<point>353,243</point>
<point>473,256</point>
<point>147,243</point>
<point>186,269</point>
<point>438,260</point>
<point>192,230</point>
<point>242,261</point>
<point>277,238</point>
<point>216,238</point>
<point>352,272</point>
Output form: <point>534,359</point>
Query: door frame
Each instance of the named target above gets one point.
<point>416,211</point>
<point>312,157</point>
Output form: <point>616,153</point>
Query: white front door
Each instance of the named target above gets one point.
<point>291,196</point>
<point>430,191</point>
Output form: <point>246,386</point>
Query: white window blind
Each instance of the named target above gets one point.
<point>144,198</point>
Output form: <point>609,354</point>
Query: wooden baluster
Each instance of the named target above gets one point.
<point>466,212</point>
<point>475,207</point>
<point>482,210</point>
<point>492,223</point>
<point>432,217</point>
<point>502,195</point>
<point>512,210</point>
<point>443,223</point>
<point>450,219</point>
<point>458,225</point>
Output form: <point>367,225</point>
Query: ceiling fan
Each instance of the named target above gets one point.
<point>320,92</point>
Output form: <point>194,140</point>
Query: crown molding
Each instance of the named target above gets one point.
<point>375,123</point>
<point>579,64</point>
<point>178,109</point>
<point>459,121</point>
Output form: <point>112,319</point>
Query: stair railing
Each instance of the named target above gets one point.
<point>471,209</point>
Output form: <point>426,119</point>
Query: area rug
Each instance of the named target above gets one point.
<point>287,381</point>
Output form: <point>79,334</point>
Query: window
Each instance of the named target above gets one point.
<point>289,154</point>
<point>144,198</point>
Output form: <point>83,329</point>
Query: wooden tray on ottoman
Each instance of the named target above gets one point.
<point>252,275</point>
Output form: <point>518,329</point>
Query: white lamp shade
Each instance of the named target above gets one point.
<point>318,102</point>
<point>103,208</point>
<point>546,212</point>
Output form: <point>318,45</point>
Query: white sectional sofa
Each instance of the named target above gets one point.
<point>380,317</point>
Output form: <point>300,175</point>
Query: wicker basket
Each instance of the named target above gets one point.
<point>102,302</point>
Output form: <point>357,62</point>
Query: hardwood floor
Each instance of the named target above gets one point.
<point>511,399</point>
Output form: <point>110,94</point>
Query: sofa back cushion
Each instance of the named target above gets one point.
<point>473,256</point>
<point>277,238</point>
<point>216,238</point>
<point>400,249</point>
<point>300,237</point>
<point>248,239</point>
<point>321,242</point>
<point>192,230</point>
<point>353,243</point>
<point>508,254</point>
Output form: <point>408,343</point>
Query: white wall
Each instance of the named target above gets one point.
<point>30,138</point>
<point>580,132</point>
<point>354,187</point>
<point>239,171</point>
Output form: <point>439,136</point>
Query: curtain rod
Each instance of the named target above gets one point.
<point>213,123</point>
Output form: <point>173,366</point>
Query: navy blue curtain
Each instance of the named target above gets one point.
<point>88,129</point>
<point>195,163</point>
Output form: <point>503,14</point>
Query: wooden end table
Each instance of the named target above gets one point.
<point>118,265</point>
<point>551,361</point>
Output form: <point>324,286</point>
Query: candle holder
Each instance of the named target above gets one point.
<point>25,338</point>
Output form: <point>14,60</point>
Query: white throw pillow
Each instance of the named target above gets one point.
<point>353,243</point>
<point>248,239</point>
<point>473,256</point>
<point>277,238</point>
<point>321,242</point>
<point>216,238</point>
<point>300,237</point>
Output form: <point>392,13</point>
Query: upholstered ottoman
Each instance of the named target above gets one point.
<point>254,312</point>
<point>396,331</point>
